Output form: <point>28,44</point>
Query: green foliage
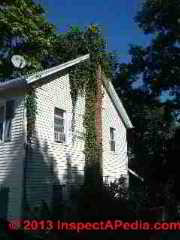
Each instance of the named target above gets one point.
<point>159,16</point>
<point>24,31</point>
<point>31,111</point>
<point>153,70</point>
<point>83,79</point>
<point>159,62</point>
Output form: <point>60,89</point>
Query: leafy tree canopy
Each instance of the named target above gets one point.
<point>24,31</point>
<point>140,83</point>
<point>158,63</point>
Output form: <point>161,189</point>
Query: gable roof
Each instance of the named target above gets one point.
<point>23,82</point>
<point>118,104</point>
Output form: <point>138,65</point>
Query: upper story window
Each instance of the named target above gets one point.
<point>6,116</point>
<point>112,139</point>
<point>59,125</point>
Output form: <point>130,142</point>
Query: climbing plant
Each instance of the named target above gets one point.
<point>26,32</point>
<point>31,111</point>
<point>84,80</point>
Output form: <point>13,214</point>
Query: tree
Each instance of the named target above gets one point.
<point>141,83</point>
<point>24,31</point>
<point>159,62</point>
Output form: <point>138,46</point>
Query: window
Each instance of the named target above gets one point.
<point>8,122</point>
<point>6,116</point>
<point>112,139</point>
<point>59,135</point>
<point>2,112</point>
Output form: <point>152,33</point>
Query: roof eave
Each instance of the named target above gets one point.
<point>23,82</point>
<point>18,83</point>
<point>118,104</point>
<point>45,73</point>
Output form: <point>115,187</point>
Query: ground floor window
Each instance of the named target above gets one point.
<point>6,117</point>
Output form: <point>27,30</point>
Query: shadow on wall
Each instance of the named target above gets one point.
<point>47,197</point>
<point>11,156</point>
<point>30,182</point>
<point>74,181</point>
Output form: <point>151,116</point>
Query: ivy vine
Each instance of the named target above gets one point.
<point>31,111</point>
<point>83,80</point>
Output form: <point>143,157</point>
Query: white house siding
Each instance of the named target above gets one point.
<point>115,164</point>
<point>63,163</point>
<point>12,155</point>
<point>51,162</point>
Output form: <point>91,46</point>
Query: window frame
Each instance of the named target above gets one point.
<point>62,118</point>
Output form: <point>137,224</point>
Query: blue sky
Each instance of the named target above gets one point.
<point>115,17</point>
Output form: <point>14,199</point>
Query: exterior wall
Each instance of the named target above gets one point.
<point>12,155</point>
<point>52,163</point>
<point>115,164</point>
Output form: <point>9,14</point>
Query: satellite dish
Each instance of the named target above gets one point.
<point>18,61</point>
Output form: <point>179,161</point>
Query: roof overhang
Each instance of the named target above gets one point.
<point>12,85</point>
<point>135,174</point>
<point>117,103</point>
<point>23,82</point>
<point>33,78</point>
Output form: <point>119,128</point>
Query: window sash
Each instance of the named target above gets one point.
<point>59,125</point>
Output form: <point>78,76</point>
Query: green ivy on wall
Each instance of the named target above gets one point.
<point>83,81</point>
<point>31,111</point>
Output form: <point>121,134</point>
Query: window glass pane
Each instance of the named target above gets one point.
<point>112,139</point>
<point>9,109</point>
<point>59,125</point>
<point>8,122</point>
<point>1,121</point>
<point>59,121</point>
<point>7,130</point>
<point>58,112</point>
<point>113,146</point>
<point>58,129</point>
<point>112,133</point>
